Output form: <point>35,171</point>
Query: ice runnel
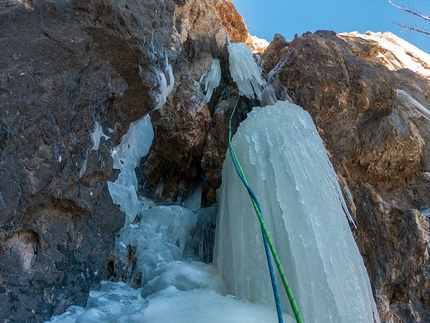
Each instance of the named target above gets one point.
<point>287,166</point>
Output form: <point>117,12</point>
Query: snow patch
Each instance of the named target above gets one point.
<point>405,54</point>
<point>258,45</point>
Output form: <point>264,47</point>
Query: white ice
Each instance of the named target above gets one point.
<point>414,103</point>
<point>194,198</point>
<point>244,70</point>
<point>175,289</point>
<point>206,306</point>
<point>161,237</point>
<point>164,88</point>
<point>288,168</point>
<point>115,302</point>
<point>211,79</point>
<point>96,135</point>
<point>203,305</point>
<point>134,145</point>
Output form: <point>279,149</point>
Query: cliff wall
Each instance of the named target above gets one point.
<point>71,69</point>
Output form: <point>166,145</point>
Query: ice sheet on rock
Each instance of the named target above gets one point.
<point>287,166</point>
<point>96,135</point>
<point>134,145</point>
<point>415,104</point>
<point>244,71</point>
<point>125,196</point>
<point>164,88</point>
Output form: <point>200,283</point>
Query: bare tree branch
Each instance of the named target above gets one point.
<point>410,11</point>
<point>411,28</point>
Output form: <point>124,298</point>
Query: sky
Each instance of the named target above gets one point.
<point>289,17</point>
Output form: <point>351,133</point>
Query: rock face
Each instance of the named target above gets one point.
<point>76,72</point>
<point>378,143</point>
<point>66,70</point>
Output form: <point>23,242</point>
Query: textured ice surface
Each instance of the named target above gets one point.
<point>115,302</point>
<point>96,135</point>
<point>164,89</point>
<point>288,168</point>
<point>194,198</point>
<point>161,237</point>
<point>183,276</point>
<point>126,156</point>
<point>211,78</point>
<point>244,71</point>
<point>202,305</point>
<point>206,306</point>
<point>134,144</point>
<point>174,290</point>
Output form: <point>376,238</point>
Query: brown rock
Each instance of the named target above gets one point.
<point>232,21</point>
<point>63,67</point>
<point>378,145</point>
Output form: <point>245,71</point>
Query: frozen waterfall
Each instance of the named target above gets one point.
<point>287,166</point>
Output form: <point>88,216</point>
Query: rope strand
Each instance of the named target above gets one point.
<point>268,244</point>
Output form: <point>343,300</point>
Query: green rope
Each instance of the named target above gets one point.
<point>266,236</point>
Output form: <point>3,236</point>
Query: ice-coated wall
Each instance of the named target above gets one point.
<point>126,157</point>
<point>287,166</point>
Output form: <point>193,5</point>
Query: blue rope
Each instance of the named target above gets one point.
<point>268,244</point>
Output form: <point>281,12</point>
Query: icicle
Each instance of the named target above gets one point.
<point>287,166</point>
<point>211,79</point>
<point>244,70</point>
<point>164,90</point>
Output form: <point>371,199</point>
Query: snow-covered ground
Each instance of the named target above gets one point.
<point>404,54</point>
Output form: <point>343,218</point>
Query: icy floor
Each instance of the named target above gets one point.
<point>118,303</point>
<point>176,288</point>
